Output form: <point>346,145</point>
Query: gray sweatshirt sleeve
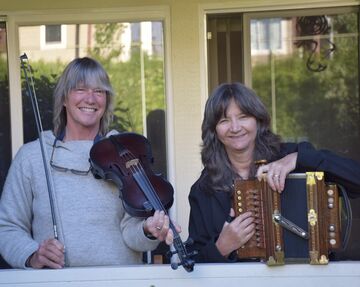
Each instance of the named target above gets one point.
<point>133,234</point>
<point>16,243</point>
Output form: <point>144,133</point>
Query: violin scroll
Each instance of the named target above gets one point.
<point>187,263</point>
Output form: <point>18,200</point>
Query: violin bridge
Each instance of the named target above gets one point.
<point>133,162</point>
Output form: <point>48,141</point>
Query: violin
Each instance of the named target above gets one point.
<point>126,160</point>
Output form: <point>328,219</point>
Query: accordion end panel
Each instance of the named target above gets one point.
<point>323,218</point>
<point>267,242</point>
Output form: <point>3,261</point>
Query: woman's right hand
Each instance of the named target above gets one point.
<point>50,254</point>
<point>277,171</point>
<point>236,233</point>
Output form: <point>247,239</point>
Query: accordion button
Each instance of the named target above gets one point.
<point>330,200</point>
<point>330,192</point>
<point>331,205</point>
<point>240,209</point>
<point>331,227</point>
<point>238,191</point>
<point>332,234</point>
<point>332,241</point>
<point>239,197</point>
<point>239,204</point>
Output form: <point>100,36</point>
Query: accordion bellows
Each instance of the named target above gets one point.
<point>302,223</point>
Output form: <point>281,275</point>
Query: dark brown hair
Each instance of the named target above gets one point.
<point>213,154</point>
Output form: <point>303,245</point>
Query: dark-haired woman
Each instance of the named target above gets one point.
<point>236,134</point>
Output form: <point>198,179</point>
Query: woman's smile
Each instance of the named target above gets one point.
<point>85,108</point>
<point>236,130</point>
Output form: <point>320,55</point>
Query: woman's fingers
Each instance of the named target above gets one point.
<point>49,254</point>
<point>236,233</point>
<point>159,227</point>
<point>277,171</point>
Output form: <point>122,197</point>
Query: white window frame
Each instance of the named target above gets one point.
<point>123,14</point>
<point>282,50</point>
<point>49,45</point>
<point>15,20</point>
<point>262,7</point>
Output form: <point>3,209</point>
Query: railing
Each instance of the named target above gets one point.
<point>346,274</point>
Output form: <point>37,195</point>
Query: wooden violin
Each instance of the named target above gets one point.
<point>126,160</point>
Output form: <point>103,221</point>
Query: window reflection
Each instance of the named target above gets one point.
<point>5,140</point>
<point>53,33</point>
<point>128,51</point>
<point>304,65</point>
<point>266,34</point>
<point>314,92</point>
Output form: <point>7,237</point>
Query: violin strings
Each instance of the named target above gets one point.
<point>127,155</point>
<point>141,177</point>
<point>144,182</point>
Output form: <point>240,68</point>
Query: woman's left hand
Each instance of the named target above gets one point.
<point>277,171</point>
<point>158,226</point>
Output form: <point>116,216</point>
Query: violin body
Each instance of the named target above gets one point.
<point>114,159</point>
<point>126,159</point>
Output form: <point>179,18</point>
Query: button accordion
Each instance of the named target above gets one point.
<point>303,222</point>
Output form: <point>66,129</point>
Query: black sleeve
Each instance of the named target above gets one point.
<point>337,169</point>
<point>202,230</point>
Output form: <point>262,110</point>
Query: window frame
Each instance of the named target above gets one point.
<point>251,9</point>
<point>43,17</point>
<point>123,14</point>
<point>52,45</point>
<point>266,50</point>
<point>308,11</point>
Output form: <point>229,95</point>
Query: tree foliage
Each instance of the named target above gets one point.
<point>322,107</point>
<point>125,77</point>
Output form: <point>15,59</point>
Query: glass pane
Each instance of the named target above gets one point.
<point>225,48</point>
<point>52,33</point>
<point>5,134</point>
<point>306,70</point>
<point>131,55</point>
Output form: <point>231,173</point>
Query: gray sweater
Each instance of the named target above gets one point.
<point>92,223</point>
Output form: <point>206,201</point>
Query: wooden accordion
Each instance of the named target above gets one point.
<point>303,222</point>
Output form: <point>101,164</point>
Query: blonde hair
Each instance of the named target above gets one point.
<point>84,72</point>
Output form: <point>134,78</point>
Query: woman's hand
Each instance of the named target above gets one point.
<point>236,233</point>
<point>277,171</point>
<point>50,254</point>
<point>158,226</point>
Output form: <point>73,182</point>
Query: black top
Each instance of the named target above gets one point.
<point>209,210</point>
